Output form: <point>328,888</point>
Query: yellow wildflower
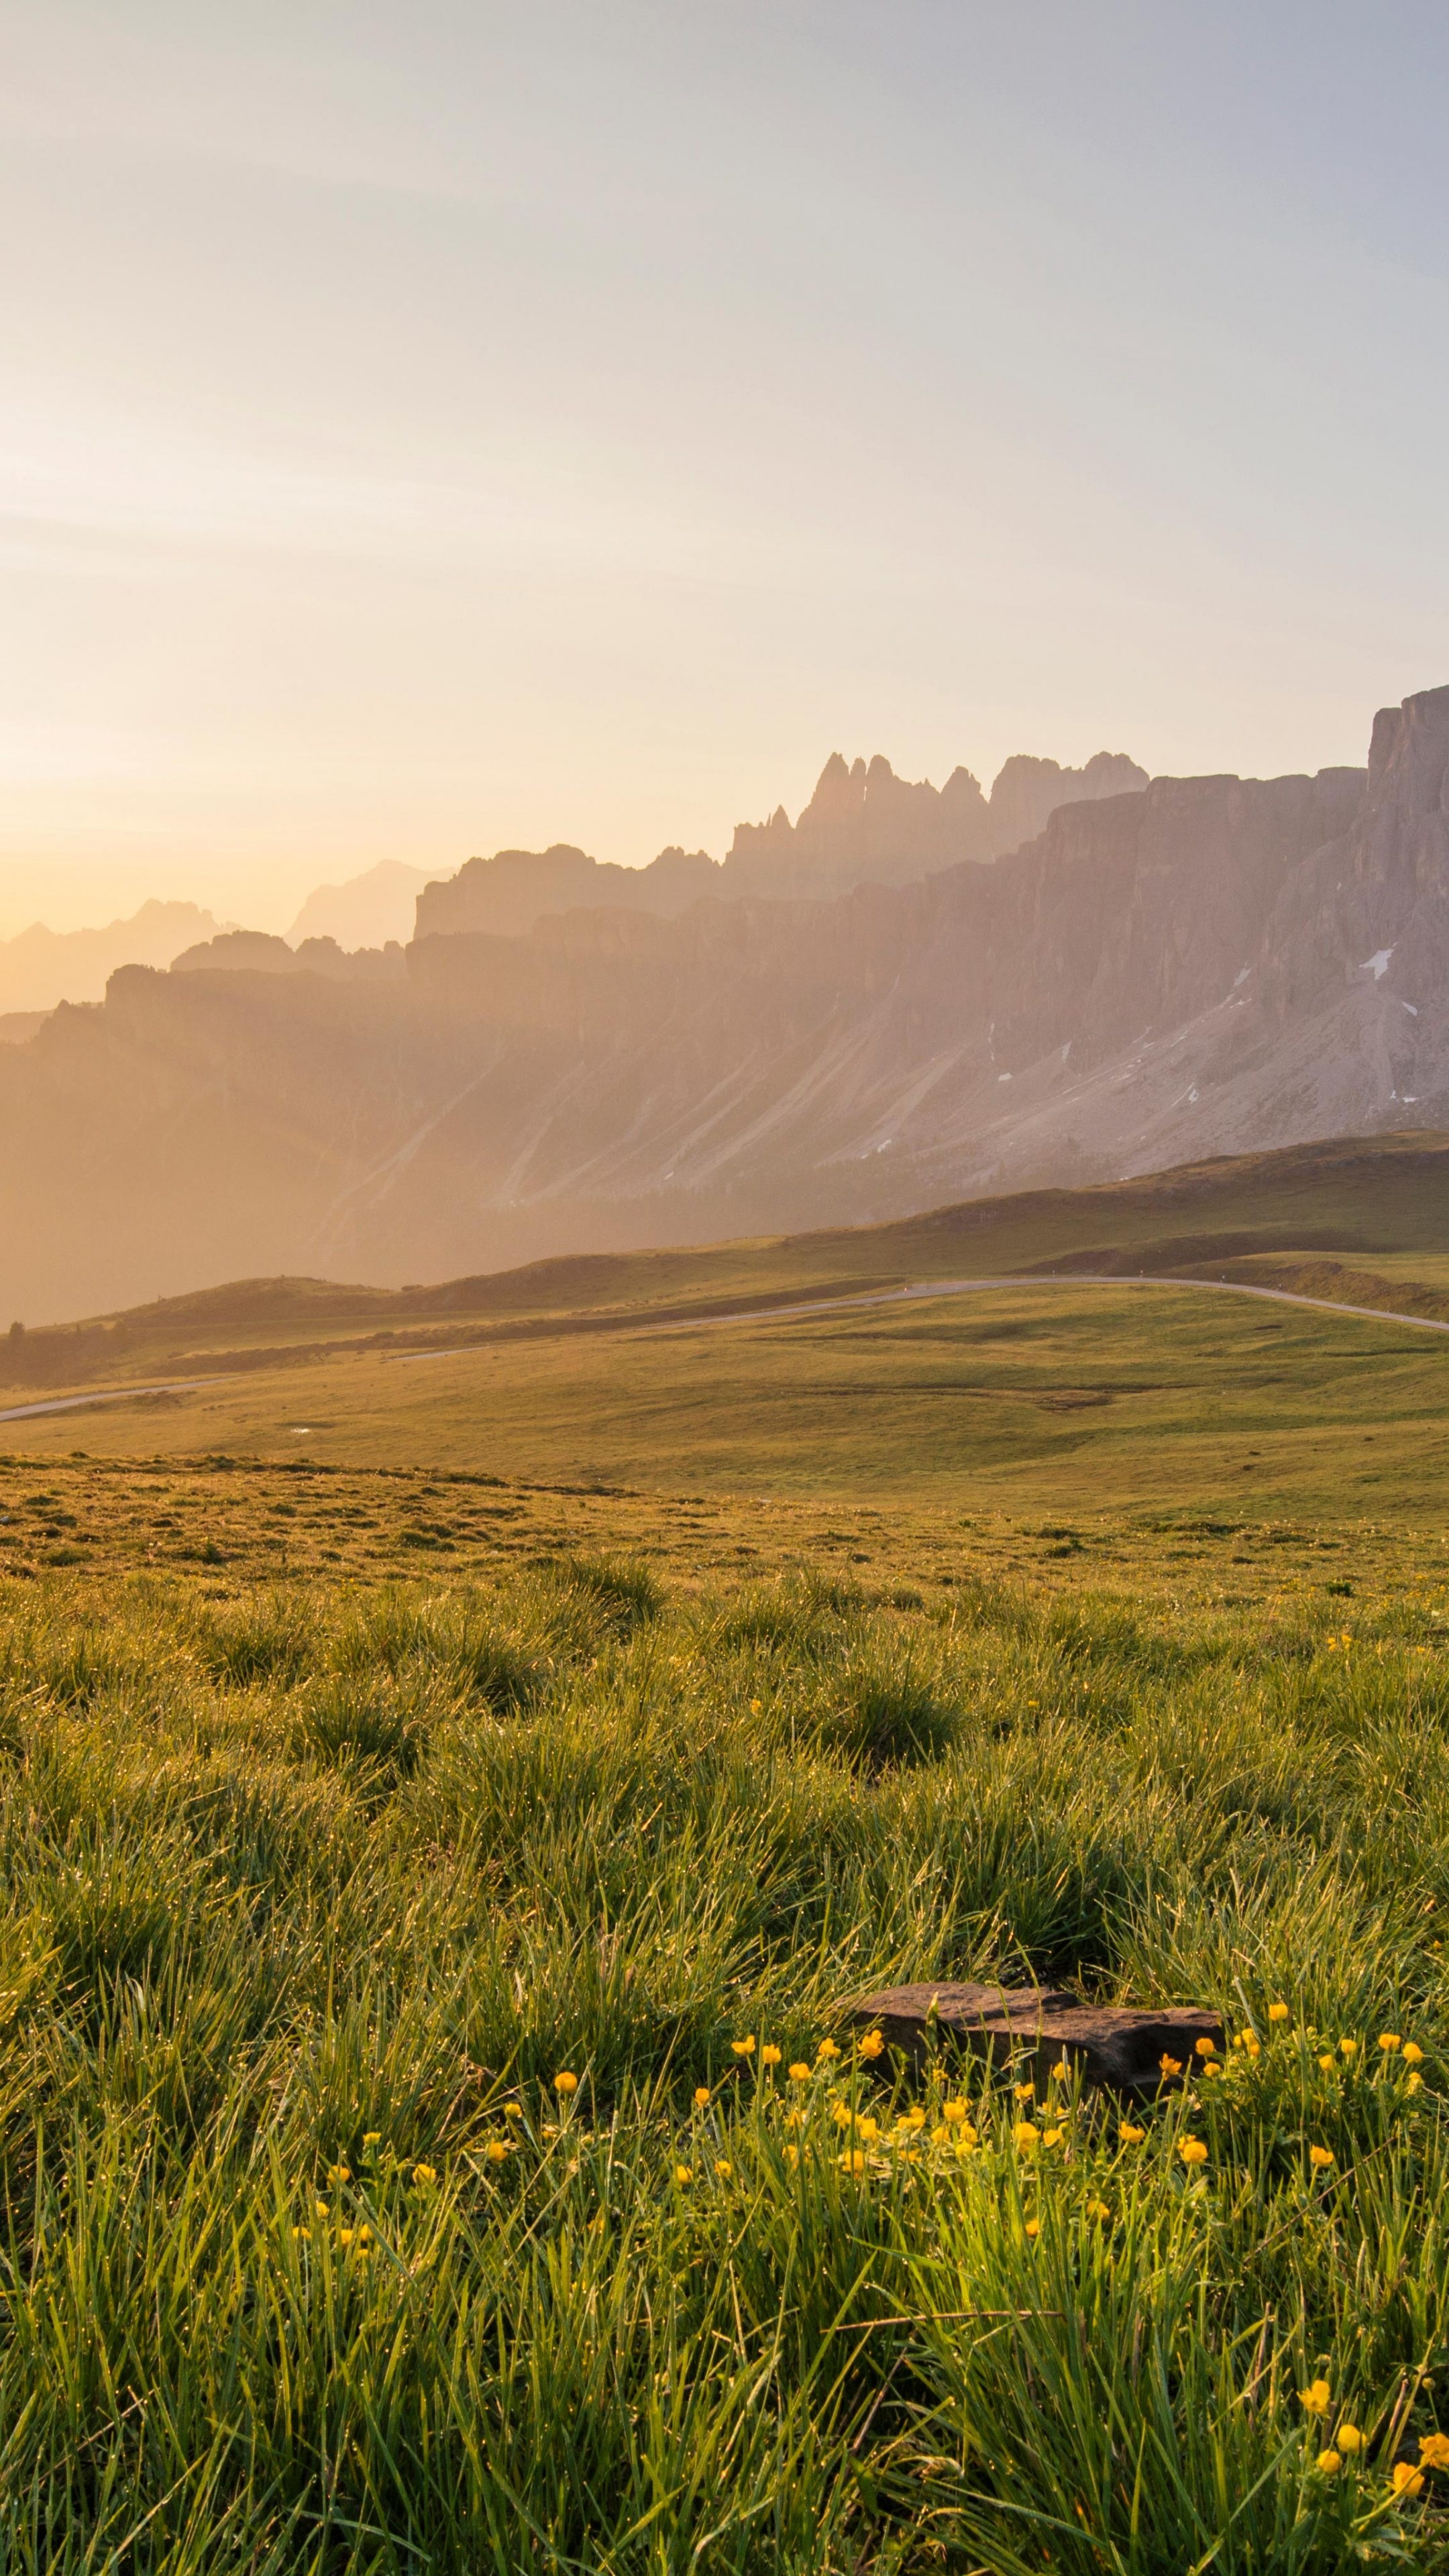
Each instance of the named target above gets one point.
<point>744,2047</point>
<point>867,2129</point>
<point>1033,2228</point>
<point>827,2049</point>
<point>1098,2209</point>
<point>372,2137</point>
<point>303,2234</point>
<point>701,2096</point>
<point>1277,2012</point>
<point>1327,2064</point>
<point>1052,2137</point>
<point>1320,2156</point>
<point>800,2073</point>
<point>497,2150</point>
<point>1347,2047</point>
<point>1434,2451</point>
<point>1026,2092</point>
<point>1193,2151</point>
<point>915,2118</point>
<point>792,2155</point>
<point>842,2115</point>
<point>1349,2438</point>
<point>954,2109</point>
<point>1413,2082</point>
<point>1389,2040</point>
<point>872,2044</point>
<point>565,2083</point>
<point>1407,2480</point>
<point>684,2173</point>
<point>1413,2053</point>
<point>513,2110</point>
<point>344,2235</point>
<point>1062,2071</point>
<point>1129,2136</point>
<point>1203,2047</point>
<point>320,2209</point>
<point>1170,2065</point>
<point>1025,2135</point>
<point>724,2167</point>
<point>1328,2461</point>
<point>1316,2398</point>
<point>339,2173</point>
<point>852,2162</point>
<point>770,2055</point>
<point>424,2174</point>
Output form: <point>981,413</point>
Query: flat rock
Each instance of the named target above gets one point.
<point>1122,2047</point>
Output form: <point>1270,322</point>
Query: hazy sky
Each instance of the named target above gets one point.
<point>428,427</point>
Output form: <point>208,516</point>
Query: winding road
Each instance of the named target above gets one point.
<point>922,1288</point>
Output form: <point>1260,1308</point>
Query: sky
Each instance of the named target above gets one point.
<point>429,426</point>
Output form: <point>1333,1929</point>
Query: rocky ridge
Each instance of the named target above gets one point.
<point>862,826</point>
<point>1204,966</point>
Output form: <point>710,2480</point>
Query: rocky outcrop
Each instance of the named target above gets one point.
<point>1026,793</point>
<point>1137,2049</point>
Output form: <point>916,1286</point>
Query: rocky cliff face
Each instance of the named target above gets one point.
<point>865,826</point>
<point>1209,965</point>
<point>862,826</point>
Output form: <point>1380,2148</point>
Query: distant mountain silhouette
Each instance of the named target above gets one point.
<point>1206,965</point>
<point>365,911</point>
<point>41,967</point>
<point>260,952</point>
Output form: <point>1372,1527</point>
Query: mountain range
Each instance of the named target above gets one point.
<point>1189,967</point>
<point>40,967</point>
<point>863,823</point>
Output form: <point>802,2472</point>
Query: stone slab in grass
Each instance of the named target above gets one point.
<point>1122,2047</point>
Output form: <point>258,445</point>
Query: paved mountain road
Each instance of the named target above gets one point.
<point>921,1288</point>
<point>1062,1279</point>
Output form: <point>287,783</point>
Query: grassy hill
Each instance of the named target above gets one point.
<point>689,1371</point>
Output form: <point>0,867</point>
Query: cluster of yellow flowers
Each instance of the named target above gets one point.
<point>1349,2442</point>
<point>385,2168</point>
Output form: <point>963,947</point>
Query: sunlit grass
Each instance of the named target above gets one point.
<point>313,2259</point>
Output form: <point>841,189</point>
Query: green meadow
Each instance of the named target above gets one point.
<point>1061,1397</point>
<point>1094,1378</point>
<point>320,1886</point>
<point>449,1804</point>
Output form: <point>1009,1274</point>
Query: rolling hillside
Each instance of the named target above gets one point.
<point>1085,1372</point>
